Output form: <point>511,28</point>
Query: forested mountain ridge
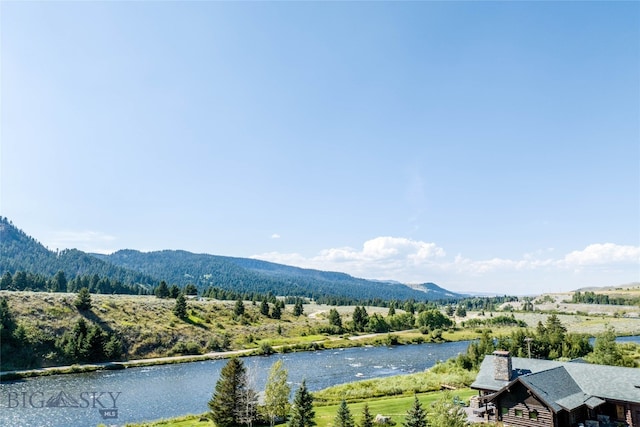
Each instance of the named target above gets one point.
<point>247,274</point>
<point>20,252</point>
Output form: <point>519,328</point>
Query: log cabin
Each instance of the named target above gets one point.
<point>544,393</point>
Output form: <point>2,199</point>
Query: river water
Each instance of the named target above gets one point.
<point>139,394</point>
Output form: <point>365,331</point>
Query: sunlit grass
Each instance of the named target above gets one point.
<point>395,407</point>
<point>185,421</point>
<point>431,380</point>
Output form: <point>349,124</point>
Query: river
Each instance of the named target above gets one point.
<point>149,393</point>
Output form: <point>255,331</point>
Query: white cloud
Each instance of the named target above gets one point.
<point>381,257</point>
<point>411,261</point>
<point>275,236</point>
<point>88,241</point>
<point>603,253</point>
<point>385,248</point>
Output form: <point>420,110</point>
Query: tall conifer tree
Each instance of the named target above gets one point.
<point>180,308</point>
<point>416,416</point>
<point>227,402</point>
<point>302,413</point>
<point>367,418</point>
<point>343,417</point>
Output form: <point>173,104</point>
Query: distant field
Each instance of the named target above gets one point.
<point>591,325</point>
<point>556,301</point>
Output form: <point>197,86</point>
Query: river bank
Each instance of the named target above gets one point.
<point>331,343</point>
<point>408,337</point>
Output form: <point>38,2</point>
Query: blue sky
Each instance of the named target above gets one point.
<point>484,146</point>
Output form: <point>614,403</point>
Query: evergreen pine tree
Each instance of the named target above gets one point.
<point>367,418</point>
<point>83,300</point>
<point>162,290</point>
<point>113,348</point>
<point>392,309</point>
<point>606,350</point>
<point>238,309</point>
<point>226,404</point>
<point>94,344</point>
<point>343,417</point>
<point>264,308</point>
<point>7,322</point>
<point>334,318</point>
<point>276,312</point>
<point>298,309</point>
<point>302,412</point>
<point>360,318</point>
<point>174,291</point>
<point>58,283</point>
<point>6,282</point>
<point>180,309</point>
<point>191,289</point>
<point>416,415</point>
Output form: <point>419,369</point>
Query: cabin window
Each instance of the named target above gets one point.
<point>518,412</point>
<point>533,415</point>
<point>504,411</point>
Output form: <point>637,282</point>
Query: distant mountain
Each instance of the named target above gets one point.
<point>482,294</point>
<point>19,252</point>
<point>626,286</point>
<point>436,290</point>
<point>252,275</point>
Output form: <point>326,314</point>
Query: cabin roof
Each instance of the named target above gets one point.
<point>578,399</point>
<point>552,386</point>
<point>595,382</point>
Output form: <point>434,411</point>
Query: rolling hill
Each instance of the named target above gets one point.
<point>20,252</point>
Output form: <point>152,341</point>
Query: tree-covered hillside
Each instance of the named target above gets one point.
<point>250,275</point>
<point>20,252</point>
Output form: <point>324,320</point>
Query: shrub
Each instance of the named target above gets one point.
<point>186,348</point>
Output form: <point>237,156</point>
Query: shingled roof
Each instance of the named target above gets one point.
<point>552,386</point>
<point>566,385</point>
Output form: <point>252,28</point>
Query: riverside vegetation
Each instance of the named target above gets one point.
<point>41,329</point>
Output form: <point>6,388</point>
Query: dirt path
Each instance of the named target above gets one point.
<point>70,369</point>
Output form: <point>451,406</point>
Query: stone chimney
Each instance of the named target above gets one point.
<point>501,365</point>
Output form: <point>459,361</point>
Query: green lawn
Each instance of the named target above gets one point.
<point>395,407</point>
<point>186,421</point>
